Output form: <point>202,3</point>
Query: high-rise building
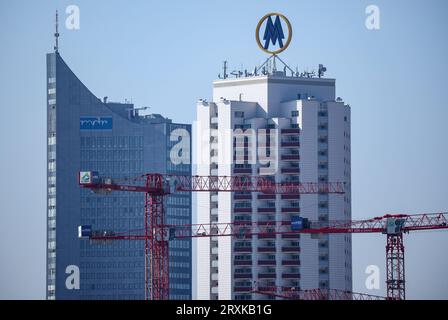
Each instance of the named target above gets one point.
<point>85,133</point>
<point>298,123</point>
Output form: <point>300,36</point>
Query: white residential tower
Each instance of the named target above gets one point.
<point>308,133</point>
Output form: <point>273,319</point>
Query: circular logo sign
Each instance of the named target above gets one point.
<point>273,36</point>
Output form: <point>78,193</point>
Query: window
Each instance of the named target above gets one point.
<point>51,140</point>
<point>295,113</point>
<point>239,114</point>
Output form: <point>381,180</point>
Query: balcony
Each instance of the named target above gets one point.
<point>242,249</point>
<point>266,197</point>
<point>270,275</point>
<point>266,220</point>
<point>291,236</point>
<point>290,196</point>
<point>266,210</point>
<point>290,144</point>
<point>242,196</point>
<point>246,219</point>
<point>291,262</point>
<point>267,289</point>
<point>291,209</point>
<point>242,289</point>
<point>242,262</point>
<point>290,249</point>
<point>291,275</point>
<point>293,131</point>
<point>290,170</point>
<point>267,262</point>
<point>242,170</point>
<point>290,157</point>
<point>266,249</point>
<point>242,275</point>
<point>266,236</point>
<point>236,210</point>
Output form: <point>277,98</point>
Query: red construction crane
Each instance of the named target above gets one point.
<point>394,226</point>
<point>156,234</point>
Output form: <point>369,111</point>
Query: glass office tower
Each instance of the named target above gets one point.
<point>86,133</point>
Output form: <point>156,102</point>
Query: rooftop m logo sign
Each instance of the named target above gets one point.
<point>273,33</point>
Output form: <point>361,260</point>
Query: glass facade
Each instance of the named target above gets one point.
<point>114,140</point>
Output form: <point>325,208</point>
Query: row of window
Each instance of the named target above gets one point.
<point>112,142</point>
<point>110,155</point>
<point>122,211</point>
<point>131,166</point>
<point>178,200</point>
<point>111,253</point>
<point>111,275</point>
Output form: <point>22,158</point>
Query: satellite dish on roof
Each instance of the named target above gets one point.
<point>322,70</point>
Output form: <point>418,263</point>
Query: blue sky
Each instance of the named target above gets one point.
<point>164,54</point>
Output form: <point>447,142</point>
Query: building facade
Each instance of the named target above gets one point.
<point>85,133</point>
<point>304,130</point>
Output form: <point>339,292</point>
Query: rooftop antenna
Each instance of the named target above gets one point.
<point>224,67</point>
<point>56,34</point>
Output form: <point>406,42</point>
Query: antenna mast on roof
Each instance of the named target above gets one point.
<point>56,34</point>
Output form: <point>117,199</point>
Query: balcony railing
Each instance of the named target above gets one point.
<point>290,144</point>
<point>242,210</point>
<point>290,157</point>
<point>242,196</point>
<point>266,249</point>
<point>291,275</point>
<point>290,196</point>
<point>290,262</point>
<point>267,262</point>
<point>242,262</point>
<point>291,210</point>
<point>266,197</point>
<point>242,249</point>
<point>291,170</point>
<point>290,236</point>
<point>290,249</point>
<point>267,276</point>
<point>242,275</point>
<point>291,131</point>
<point>266,209</point>
<point>242,289</point>
<point>266,236</point>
